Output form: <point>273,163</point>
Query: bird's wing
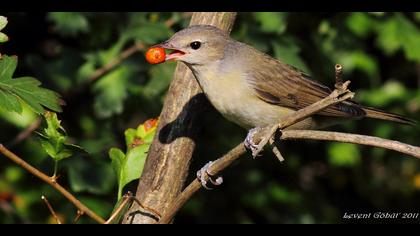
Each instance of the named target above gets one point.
<point>284,85</point>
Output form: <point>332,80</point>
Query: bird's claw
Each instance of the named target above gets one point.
<point>203,173</point>
<point>249,140</point>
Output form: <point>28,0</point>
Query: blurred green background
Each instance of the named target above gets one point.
<point>318,182</point>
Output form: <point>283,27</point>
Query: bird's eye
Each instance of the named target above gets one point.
<point>195,45</point>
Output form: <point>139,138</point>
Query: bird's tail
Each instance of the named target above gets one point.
<point>383,115</point>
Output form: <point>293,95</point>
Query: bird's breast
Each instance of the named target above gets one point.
<point>233,97</point>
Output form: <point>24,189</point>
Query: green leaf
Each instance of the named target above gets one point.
<point>25,88</point>
<point>147,130</point>
<point>128,167</point>
<point>272,22</point>
<point>343,154</point>
<point>10,101</point>
<point>7,67</point>
<point>69,23</point>
<point>54,139</point>
<point>3,22</point>
<point>130,135</point>
<point>3,37</point>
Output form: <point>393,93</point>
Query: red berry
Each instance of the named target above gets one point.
<point>155,55</point>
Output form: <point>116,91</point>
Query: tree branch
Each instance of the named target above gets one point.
<point>352,138</point>
<point>169,156</point>
<point>338,95</point>
<point>137,47</point>
<point>51,182</point>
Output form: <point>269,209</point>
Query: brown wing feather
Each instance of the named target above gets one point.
<point>283,85</point>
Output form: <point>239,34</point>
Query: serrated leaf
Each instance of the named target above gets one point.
<point>54,139</point>
<point>10,102</point>
<point>26,88</point>
<point>7,67</point>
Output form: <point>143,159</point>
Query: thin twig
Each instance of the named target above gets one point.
<point>124,55</point>
<point>276,150</point>
<point>49,181</point>
<point>352,138</point>
<point>51,209</point>
<point>126,200</point>
<point>116,61</point>
<point>338,73</point>
<point>338,95</point>
<point>78,215</point>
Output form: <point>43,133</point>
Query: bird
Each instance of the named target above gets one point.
<point>253,89</point>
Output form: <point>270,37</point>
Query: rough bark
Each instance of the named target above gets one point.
<point>168,161</point>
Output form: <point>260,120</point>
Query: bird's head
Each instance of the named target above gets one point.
<point>197,45</point>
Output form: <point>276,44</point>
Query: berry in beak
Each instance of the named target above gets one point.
<point>174,54</point>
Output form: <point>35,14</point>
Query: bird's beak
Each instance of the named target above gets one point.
<point>174,55</point>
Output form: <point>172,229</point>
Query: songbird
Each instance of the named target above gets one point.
<point>253,89</point>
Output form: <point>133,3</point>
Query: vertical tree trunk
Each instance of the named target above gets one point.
<point>168,161</point>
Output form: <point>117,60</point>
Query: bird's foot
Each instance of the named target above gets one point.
<point>249,141</point>
<point>203,173</point>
